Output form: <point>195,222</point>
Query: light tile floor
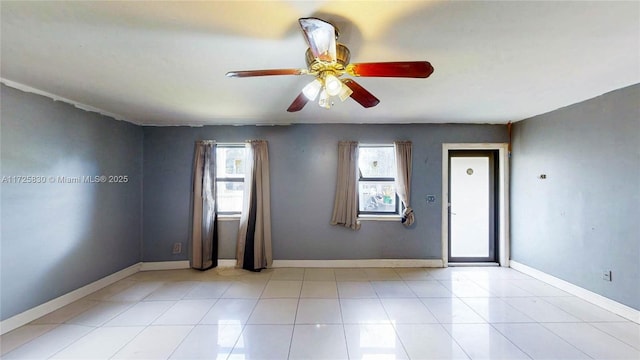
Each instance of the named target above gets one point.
<point>451,313</point>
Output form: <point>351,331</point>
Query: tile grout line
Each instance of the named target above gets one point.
<point>267,279</point>
<point>128,342</point>
<point>394,326</point>
<point>295,316</point>
<point>535,322</point>
<point>244,326</point>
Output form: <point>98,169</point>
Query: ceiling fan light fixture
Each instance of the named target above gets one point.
<point>345,92</point>
<point>324,99</point>
<point>312,89</point>
<point>332,84</point>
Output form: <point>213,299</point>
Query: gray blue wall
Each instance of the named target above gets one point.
<point>303,172</point>
<point>584,218</point>
<point>59,237</point>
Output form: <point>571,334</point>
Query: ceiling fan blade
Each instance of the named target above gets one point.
<point>298,103</point>
<point>360,94</point>
<point>321,37</point>
<point>403,69</point>
<point>249,73</point>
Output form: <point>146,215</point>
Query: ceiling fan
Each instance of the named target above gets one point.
<point>328,60</point>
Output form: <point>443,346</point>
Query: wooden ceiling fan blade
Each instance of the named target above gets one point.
<point>321,37</point>
<point>360,94</point>
<point>402,69</point>
<point>298,103</point>
<point>267,72</point>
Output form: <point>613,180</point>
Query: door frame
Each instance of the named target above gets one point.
<point>503,197</point>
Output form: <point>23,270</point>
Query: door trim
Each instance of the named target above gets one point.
<point>503,196</point>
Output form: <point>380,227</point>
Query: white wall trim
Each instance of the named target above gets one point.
<point>28,316</point>
<point>503,196</point>
<point>596,299</point>
<point>362,263</point>
<point>164,265</point>
<point>79,105</point>
<point>227,262</point>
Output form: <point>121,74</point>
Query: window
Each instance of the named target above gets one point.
<point>230,178</point>
<point>377,180</point>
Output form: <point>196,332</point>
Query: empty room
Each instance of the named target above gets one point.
<point>320,180</point>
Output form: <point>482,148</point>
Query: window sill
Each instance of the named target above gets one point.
<point>234,217</point>
<point>394,217</point>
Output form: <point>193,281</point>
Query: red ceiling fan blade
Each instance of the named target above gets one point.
<point>298,103</point>
<point>249,73</point>
<point>321,37</point>
<point>360,94</point>
<point>404,69</point>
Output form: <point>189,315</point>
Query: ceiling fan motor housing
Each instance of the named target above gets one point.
<point>343,55</point>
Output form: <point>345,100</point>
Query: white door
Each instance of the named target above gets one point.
<point>471,206</point>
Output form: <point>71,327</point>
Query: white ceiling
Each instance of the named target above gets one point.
<point>163,63</point>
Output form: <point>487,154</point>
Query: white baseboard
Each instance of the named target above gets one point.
<point>597,299</point>
<point>39,311</point>
<point>227,262</point>
<point>472,264</point>
<point>177,265</point>
<point>28,316</point>
<point>363,263</point>
<point>164,265</point>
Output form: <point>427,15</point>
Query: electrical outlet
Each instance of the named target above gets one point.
<point>606,275</point>
<point>177,248</point>
<point>431,198</point>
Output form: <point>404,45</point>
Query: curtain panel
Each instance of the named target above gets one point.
<point>254,235</point>
<point>204,234</point>
<point>403,179</point>
<point>345,206</point>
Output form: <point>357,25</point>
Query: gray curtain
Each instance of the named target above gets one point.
<point>254,236</point>
<point>204,234</point>
<point>345,206</point>
<point>403,179</point>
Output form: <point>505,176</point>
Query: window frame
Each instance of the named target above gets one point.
<point>378,215</point>
<point>228,179</point>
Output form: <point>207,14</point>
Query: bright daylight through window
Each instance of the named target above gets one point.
<point>230,178</point>
<point>376,184</point>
